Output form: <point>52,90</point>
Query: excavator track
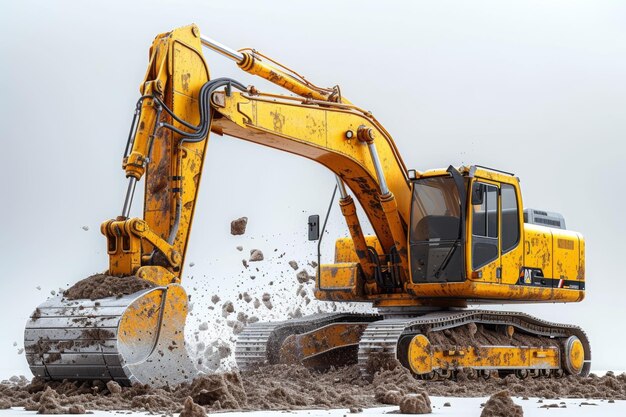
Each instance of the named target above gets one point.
<point>383,337</point>
<point>260,343</point>
<point>137,338</point>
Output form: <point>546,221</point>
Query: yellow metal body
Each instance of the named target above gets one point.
<point>327,129</point>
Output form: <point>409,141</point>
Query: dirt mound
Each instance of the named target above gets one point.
<point>288,387</point>
<point>238,226</point>
<point>501,405</point>
<point>416,404</point>
<point>100,286</point>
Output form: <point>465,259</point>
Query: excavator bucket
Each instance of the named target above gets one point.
<point>137,338</point>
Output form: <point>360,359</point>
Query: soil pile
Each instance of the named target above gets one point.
<point>100,286</point>
<point>287,387</point>
<point>238,226</point>
<point>501,405</point>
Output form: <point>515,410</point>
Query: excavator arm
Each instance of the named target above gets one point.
<point>139,337</point>
<point>169,135</point>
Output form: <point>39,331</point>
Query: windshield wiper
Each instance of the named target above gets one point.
<point>446,260</point>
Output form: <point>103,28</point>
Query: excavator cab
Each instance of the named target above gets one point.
<point>468,228</point>
<point>462,223</point>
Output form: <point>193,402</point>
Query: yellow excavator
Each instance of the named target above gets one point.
<point>442,239</point>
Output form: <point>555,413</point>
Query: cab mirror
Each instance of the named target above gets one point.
<point>314,227</point>
<point>478,193</point>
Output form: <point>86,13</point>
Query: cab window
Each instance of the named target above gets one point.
<point>510,218</point>
<point>485,227</point>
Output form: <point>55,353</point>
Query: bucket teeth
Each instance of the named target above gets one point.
<point>134,338</point>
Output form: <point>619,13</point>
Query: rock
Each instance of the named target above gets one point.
<point>500,404</point>
<point>447,404</point>
<point>114,388</point>
<point>266,298</point>
<point>238,226</point>
<point>246,297</point>
<point>4,404</point>
<point>77,409</point>
<point>391,397</point>
<point>191,409</point>
<point>85,228</point>
<point>244,262</point>
<point>203,326</point>
<point>303,277</point>
<point>227,308</point>
<point>415,404</point>
<point>294,265</point>
<point>215,299</point>
<point>256,255</point>
<point>239,248</point>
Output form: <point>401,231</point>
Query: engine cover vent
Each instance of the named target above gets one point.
<point>544,218</point>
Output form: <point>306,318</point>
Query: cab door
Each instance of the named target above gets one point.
<point>512,251</point>
<point>485,231</point>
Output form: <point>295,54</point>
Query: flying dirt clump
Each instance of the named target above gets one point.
<point>267,301</point>
<point>100,286</point>
<point>294,265</point>
<point>256,255</point>
<point>303,277</point>
<point>238,226</point>
<point>416,404</point>
<point>227,308</point>
<point>501,405</point>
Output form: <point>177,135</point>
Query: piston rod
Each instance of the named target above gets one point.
<point>130,192</point>
<point>221,49</point>
<point>342,187</point>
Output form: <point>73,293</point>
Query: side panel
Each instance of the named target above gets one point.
<point>537,252</point>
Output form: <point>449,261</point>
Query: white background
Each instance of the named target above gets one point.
<point>532,87</point>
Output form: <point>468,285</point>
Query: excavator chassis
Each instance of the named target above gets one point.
<point>558,349</point>
<point>134,338</point>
